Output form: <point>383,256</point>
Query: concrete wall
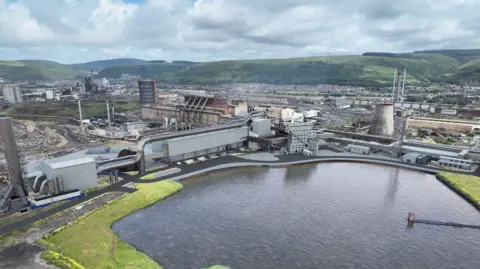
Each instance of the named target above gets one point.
<point>207,143</point>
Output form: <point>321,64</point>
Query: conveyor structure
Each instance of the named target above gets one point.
<point>140,156</point>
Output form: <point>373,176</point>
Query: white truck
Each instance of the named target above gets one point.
<point>357,149</point>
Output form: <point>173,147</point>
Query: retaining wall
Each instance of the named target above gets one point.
<point>313,160</point>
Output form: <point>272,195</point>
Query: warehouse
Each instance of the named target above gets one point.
<point>188,147</point>
<point>455,163</point>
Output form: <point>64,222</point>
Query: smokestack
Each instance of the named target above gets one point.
<point>399,81</point>
<point>108,114</point>
<point>80,112</point>
<point>394,79</point>
<point>403,83</point>
<point>13,160</point>
<point>113,112</point>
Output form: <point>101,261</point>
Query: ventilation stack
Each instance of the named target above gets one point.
<point>399,87</point>
<point>14,168</point>
<point>382,122</point>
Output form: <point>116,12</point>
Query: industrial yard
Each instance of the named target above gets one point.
<point>85,149</point>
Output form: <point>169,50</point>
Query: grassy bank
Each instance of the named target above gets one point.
<point>90,241</point>
<point>467,185</point>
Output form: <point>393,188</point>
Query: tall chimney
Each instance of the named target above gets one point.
<point>403,83</point>
<point>394,80</point>
<point>399,85</point>
<point>80,112</point>
<point>13,159</point>
<point>108,114</point>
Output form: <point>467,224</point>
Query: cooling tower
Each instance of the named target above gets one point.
<point>11,155</point>
<point>382,122</point>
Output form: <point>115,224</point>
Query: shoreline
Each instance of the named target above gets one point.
<point>222,163</point>
<point>464,195</point>
<point>97,223</point>
<point>243,163</point>
<point>279,164</point>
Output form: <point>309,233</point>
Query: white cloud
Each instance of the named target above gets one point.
<point>82,30</point>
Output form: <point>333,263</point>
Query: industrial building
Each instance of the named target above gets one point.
<point>301,136</point>
<point>357,149</point>
<point>12,94</point>
<point>383,120</point>
<point>67,176</point>
<point>447,125</point>
<point>188,147</point>
<point>455,163</point>
<point>148,92</point>
<point>202,109</point>
<point>416,158</point>
<point>280,113</point>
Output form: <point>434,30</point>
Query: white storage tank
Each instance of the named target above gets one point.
<point>78,174</point>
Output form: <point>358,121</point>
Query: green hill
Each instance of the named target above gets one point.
<point>146,70</point>
<point>98,66</point>
<point>369,69</point>
<point>34,70</point>
<point>467,73</point>
<point>461,55</point>
<point>350,70</point>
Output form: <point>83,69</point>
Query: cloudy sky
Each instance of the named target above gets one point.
<point>71,31</point>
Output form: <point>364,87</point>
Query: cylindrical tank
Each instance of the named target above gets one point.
<point>382,122</point>
<point>11,155</point>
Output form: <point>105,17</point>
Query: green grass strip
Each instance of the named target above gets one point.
<point>89,241</point>
<point>467,184</point>
<point>52,257</point>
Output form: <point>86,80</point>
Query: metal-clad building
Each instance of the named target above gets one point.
<point>300,133</point>
<point>261,127</point>
<point>148,92</point>
<point>78,174</point>
<point>203,144</point>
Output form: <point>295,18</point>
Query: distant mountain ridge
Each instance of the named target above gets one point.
<point>98,66</point>
<point>369,69</point>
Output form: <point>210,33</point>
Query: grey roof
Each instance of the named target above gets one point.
<point>98,150</point>
<point>69,163</point>
<point>117,149</point>
<point>413,154</point>
<point>434,152</point>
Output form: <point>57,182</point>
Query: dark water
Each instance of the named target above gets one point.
<point>317,216</point>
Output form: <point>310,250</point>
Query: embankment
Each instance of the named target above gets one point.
<point>90,242</point>
<point>467,186</point>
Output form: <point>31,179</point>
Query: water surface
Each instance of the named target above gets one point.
<point>336,215</point>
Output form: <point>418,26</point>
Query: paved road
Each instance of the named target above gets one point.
<point>116,187</point>
<point>187,170</point>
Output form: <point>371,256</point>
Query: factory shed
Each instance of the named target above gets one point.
<point>417,158</point>
<point>411,157</point>
<point>78,174</point>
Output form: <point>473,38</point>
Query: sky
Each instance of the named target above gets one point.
<point>72,31</point>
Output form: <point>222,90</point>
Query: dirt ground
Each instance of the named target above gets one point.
<point>19,251</point>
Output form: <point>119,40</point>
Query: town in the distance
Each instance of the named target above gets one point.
<point>75,138</point>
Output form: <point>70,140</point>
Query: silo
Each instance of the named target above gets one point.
<point>382,122</point>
